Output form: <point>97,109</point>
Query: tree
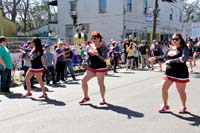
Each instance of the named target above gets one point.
<point>23,13</point>
<point>191,11</point>
<point>32,14</point>
<point>10,8</point>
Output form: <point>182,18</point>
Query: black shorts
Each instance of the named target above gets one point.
<point>131,57</point>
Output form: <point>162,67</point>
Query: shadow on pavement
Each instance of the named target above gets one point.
<point>195,119</point>
<point>58,86</point>
<point>14,96</point>
<point>117,109</point>
<point>195,73</point>
<point>128,72</point>
<point>140,69</point>
<point>73,82</point>
<point>49,101</point>
<point>112,75</point>
<point>197,76</point>
<point>38,89</point>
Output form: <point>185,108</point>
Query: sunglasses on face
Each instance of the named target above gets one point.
<point>94,38</point>
<point>175,39</point>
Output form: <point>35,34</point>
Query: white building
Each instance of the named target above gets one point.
<point>115,18</point>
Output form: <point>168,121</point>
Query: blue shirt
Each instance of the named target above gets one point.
<point>48,58</point>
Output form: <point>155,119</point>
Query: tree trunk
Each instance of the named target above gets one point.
<point>26,7</point>
<point>14,11</point>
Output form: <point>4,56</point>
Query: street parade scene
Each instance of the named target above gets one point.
<point>99,66</point>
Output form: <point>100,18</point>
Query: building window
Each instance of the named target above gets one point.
<point>129,5</point>
<point>69,33</point>
<point>171,14</point>
<point>145,7</point>
<point>73,6</point>
<point>102,6</point>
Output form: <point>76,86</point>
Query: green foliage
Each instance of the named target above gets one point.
<point>191,11</point>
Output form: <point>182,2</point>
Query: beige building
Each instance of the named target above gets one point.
<point>119,18</point>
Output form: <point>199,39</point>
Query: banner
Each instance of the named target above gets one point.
<point>195,30</point>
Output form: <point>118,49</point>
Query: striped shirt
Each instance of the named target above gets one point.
<point>68,54</point>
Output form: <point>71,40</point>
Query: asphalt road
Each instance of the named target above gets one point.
<point>133,97</point>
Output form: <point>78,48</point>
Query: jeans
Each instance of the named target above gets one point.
<point>5,80</point>
<point>70,67</point>
<point>116,59</point>
<point>50,69</point>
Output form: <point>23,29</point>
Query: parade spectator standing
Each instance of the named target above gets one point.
<point>176,71</point>
<point>79,30</point>
<point>96,67</point>
<point>5,65</point>
<point>37,67</point>
<point>144,49</point>
<point>60,62</point>
<point>68,65</point>
<point>126,45</point>
<point>130,60</point>
<point>197,50</point>
<point>156,55</point>
<point>49,61</point>
<point>136,56</point>
<point>27,63</point>
<point>116,55</point>
<point>190,47</point>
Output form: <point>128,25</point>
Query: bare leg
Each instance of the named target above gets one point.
<point>127,64</point>
<point>194,58</point>
<point>131,61</point>
<point>165,87</point>
<point>88,75</point>
<point>28,77</point>
<point>160,64</point>
<point>190,62</point>
<point>40,81</point>
<point>152,64</point>
<point>181,90</point>
<point>100,78</point>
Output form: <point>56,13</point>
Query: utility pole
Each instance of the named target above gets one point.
<point>124,13</point>
<point>1,21</point>
<point>49,16</point>
<point>155,12</point>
